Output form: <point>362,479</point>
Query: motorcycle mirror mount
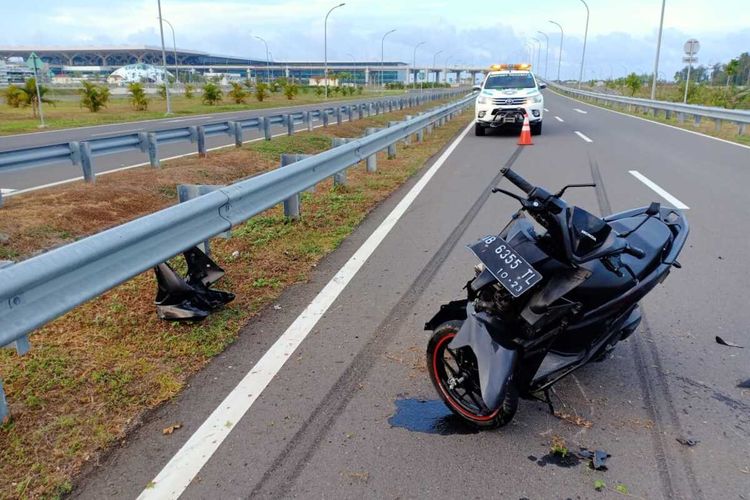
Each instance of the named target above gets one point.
<point>562,191</point>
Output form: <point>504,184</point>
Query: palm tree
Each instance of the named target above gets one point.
<point>731,69</point>
<point>30,97</point>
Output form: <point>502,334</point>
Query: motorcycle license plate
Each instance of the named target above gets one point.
<point>505,264</point>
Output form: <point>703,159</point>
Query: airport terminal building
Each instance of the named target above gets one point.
<point>102,61</point>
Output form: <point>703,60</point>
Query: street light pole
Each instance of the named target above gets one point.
<point>382,58</point>
<point>546,50</point>
<point>414,62</point>
<point>559,56</point>
<point>434,64</point>
<point>325,45</point>
<point>585,38</point>
<point>164,59</point>
<point>658,49</point>
<point>538,50</point>
<point>268,61</point>
<point>174,49</point>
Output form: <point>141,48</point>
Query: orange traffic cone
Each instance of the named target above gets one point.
<point>525,139</point>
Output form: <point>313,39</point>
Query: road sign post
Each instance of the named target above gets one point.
<point>691,47</point>
<point>36,64</point>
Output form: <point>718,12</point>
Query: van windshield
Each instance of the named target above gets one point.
<point>510,81</point>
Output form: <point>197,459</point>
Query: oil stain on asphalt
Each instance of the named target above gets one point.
<point>429,417</point>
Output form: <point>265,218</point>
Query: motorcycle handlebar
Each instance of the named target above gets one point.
<point>518,181</point>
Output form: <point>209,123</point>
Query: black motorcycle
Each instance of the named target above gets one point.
<point>543,305</point>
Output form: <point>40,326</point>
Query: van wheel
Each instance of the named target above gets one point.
<point>478,130</point>
<point>536,128</point>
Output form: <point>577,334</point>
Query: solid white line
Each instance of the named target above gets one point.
<point>658,190</point>
<point>74,179</point>
<point>658,123</point>
<point>583,137</point>
<point>117,132</point>
<point>559,119</point>
<point>175,477</point>
<point>6,191</point>
<point>580,111</point>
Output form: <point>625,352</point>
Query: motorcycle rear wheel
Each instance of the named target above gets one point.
<point>455,376</point>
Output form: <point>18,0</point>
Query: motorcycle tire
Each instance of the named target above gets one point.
<point>464,398</point>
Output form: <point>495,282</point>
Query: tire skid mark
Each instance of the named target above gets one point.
<point>280,477</point>
<point>657,399</point>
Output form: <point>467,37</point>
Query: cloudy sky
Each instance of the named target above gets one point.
<point>622,34</point>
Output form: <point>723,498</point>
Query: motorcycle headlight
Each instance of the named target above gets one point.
<point>483,100</point>
<point>534,99</point>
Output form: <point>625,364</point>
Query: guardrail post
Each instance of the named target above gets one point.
<point>88,171</point>
<point>289,124</point>
<point>338,115</point>
<point>741,129</point>
<point>360,111</point>
<point>697,120</point>
<point>680,117</point>
<point>420,132</point>
<point>4,411</point>
<point>324,117</point>
<point>339,178</point>
<point>372,160</point>
<point>236,129</point>
<point>392,147</point>
<point>308,121</point>
<point>186,192</point>
<point>288,159</point>
<point>717,125</point>
<point>267,128</point>
<point>201,137</point>
<point>153,153</point>
<point>407,139</point>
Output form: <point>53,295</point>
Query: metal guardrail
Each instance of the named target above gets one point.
<point>38,290</point>
<point>720,115</point>
<point>83,153</point>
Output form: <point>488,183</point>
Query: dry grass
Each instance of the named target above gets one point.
<point>94,372</point>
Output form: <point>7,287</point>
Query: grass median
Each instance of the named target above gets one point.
<point>93,373</point>
<point>68,113</point>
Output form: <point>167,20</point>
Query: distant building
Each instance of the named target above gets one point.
<point>137,73</point>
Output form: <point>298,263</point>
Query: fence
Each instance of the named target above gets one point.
<point>83,153</point>
<point>36,291</point>
<point>681,111</point>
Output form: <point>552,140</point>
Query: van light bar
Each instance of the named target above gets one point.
<point>508,67</point>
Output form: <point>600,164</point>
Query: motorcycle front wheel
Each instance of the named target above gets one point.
<point>455,375</point>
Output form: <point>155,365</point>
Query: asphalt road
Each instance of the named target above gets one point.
<point>23,180</point>
<point>320,429</point>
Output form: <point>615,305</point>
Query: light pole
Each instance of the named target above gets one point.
<point>268,60</point>
<point>382,57</point>
<point>164,59</point>
<point>559,56</point>
<point>546,51</point>
<point>658,49</point>
<point>174,49</point>
<point>585,37</point>
<point>325,45</point>
<point>414,62</point>
<point>434,64</point>
<point>538,50</point>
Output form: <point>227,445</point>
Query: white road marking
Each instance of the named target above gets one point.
<point>547,110</point>
<point>175,477</point>
<point>137,165</point>
<point>658,190</point>
<point>559,119</point>
<point>118,132</point>
<point>661,124</point>
<point>580,111</point>
<point>583,137</point>
<point>6,191</point>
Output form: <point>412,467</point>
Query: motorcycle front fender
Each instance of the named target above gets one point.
<point>454,310</point>
<point>495,363</point>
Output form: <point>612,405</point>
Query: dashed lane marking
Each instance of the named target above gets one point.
<point>559,119</point>
<point>659,190</point>
<point>582,136</point>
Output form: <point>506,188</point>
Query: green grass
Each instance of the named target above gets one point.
<point>67,113</point>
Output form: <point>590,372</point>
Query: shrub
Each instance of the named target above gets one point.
<point>138,98</point>
<point>237,93</point>
<point>14,96</point>
<point>212,93</point>
<point>161,89</point>
<point>291,90</point>
<point>318,91</point>
<point>189,91</point>
<point>261,91</point>
<point>94,97</point>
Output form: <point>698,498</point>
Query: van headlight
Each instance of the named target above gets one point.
<point>534,99</point>
<point>483,100</point>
